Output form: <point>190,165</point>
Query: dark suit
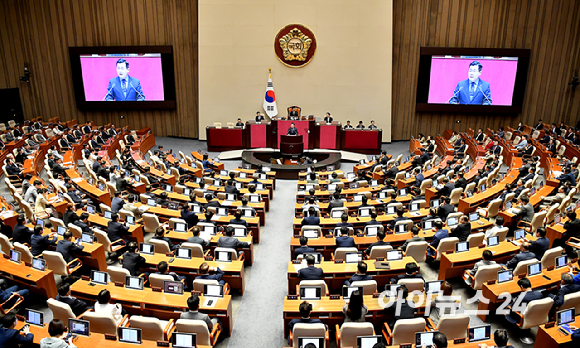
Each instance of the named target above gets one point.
<point>414,239</point>
<point>357,278</point>
<point>303,250</point>
<point>407,312</point>
<point>216,276</point>
<point>133,90</point>
<point>189,217</point>
<point>239,222</point>
<point>335,203</point>
<point>461,183</point>
<point>22,234</point>
<point>198,240</point>
<point>78,306</point>
<point>117,204</point>
<point>522,256</point>
<point>439,235</point>
<point>117,231</point>
<point>527,298</point>
<point>311,221</point>
<point>377,243</point>
<point>84,227</point>
<point>310,273</point>
<point>345,242</point>
<point>564,290</point>
<point>445,210</point>
<point>231,189</point>
<point>12,338</point>
<point>462,231</point>
<point>446,189</point>
<point>172,246</point>
<point>539,247</point>
<point>481,96</point>
<point>292,131</point>
<point>133,262</point>
<point>40,243</point>
<point>68,249</point>
<point>232,242</point>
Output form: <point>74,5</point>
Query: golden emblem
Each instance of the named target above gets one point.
<point>295,45</point>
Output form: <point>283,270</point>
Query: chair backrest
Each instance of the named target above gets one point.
<point>55,262</point>
<point>455,215</point>
<point>157,280</point>
<point>25,254</point>
<point>456,195</point>
<point>317,228</point>
<point>117,274</point>
<point>405,329</point>
<point>502,233</point>
<point>369,286</point>
<point>417,250</point>
<point>150,222</point>
<point>321,283</point>
<point>379,251</point>
<point>199,283</point>
<point>161,246</point>
<point>60,310</point>
<point>350,331</point>
<point>476,239</point>
<point>173,221</point>
<point>56,222</point>
<point>538,220</point>
<point>301,330</point>
<point>571,301</point>
<point>151,327</point>
<point>5,244</point>
<point>522,266</point>
<point>565,203</point>
<point>485,274</point>
<point>454,326</point>
<point>101,322</point>
<point>412,284</point>
<point>551,214</point>
<point>339,253</point>
<point>196,249</point>
<point>537,313</point>
<point>217,250</point>
<point>344,210</point>
<point>561,150</point>
<point>549,258</point>
<point>103,238</point>
<point>77,232</point>
<point>198,327</point>
<point>493,207</point>
<point>425,184</point>
<point>446,244</point>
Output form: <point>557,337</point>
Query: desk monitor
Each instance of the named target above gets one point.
<point>330,168</point>
<point>168,188</point>
<point>180,227</point>
<point>372,230</point>
<point>308,187</point>
<point>566,316</point>
<point>247,166</point>
<point>402,228</point>
<point>102,187</point>
<point>217,183</point>
<point>557,218</point>
<point>533,191</point>
<point>214,290</point>
<point>364,212</point>
<point>434,286</point>
<point>196,208</point>
<point>402,192</point>
<point>407,175</point>
<point>171,287</point>
<point>60,230</point>
<point>492,241</point>
<point>505,276</point>
<point>173,205</point>
<point>99,277</point>
<point>231,197</point>
<point>262,176</point>
<point>186,191</point>
<point>90,181</point>
<point>394,255</point>
<point>260,187</point>
<point>337,214</point>
<point>482,188</point>
<point>383,195</point>
<point>374,183</point>
<point>414,207</point>
<point>146,248</point>
<point>367,341</point>
<point>183,253</point>
<point>78,327</point>
<point>353,185</point>
<point>350,176</point>
<point>519,234</point>
<point>391,210</point>
<point>331,187</point>
<point>223,172</point>
<point>461,247</point>
<point>474,216</point>
<point>39,264</point>
<point>310,234</point>
<point>209,229</point>
<point>508,205</point>
<point>130,219</point>
<point>310,293</point>
<point>254,199</point>
<point>240,232</point>
<point>107,214</point>
<point>248,212</point>
<point>424,339</point>
<point>151,202</point>
<point>198,180</point>
<point>534,268</point>
<point>87,238</point>
<point>362,161</point>
<point>183,340</point>
<point>435,183</point>
<point>352,257</point>
<point>91,209</point>
<point>15,256</point>
<point>221,211</point>
<point>348,290</point>
<point>427,225</point>
<point>358,198</point>
<point>135,283</point>
<point>266,169</point>
<point>224,256</point>
<point>317,257</point>
<point>40,222</point>
<point>479,333</point>
<point>452,221</point>
<point>560,261</point>
<point>129,335</point>
<point>434,203</point>
<point>34,317</point>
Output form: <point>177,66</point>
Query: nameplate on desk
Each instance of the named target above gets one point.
<point>335,297</point>
<point>121,284</point>
<point>27,264</point>
<point>110,337</point>
<point>296,262</point>
<point>162,343</point>
<point>574,260</point>
<point>550,324</point>
<point>380,259</point>
<point>297,236</point>
<point>209,258</point>
<point>20,317</point>
<point>329,236</point>
<point>376,295</point>
<point>521,275</point>
<point>491,282</point>
<point>6,256</point>
<point>449,252</point>
<point>292,297</point>
<point>382,265</point>
<point>459,340</point>
<point>338,261</point>
<point>405,345</point>
<point>481,246</point>
<point>169,254</point>
<point>551,268</point>
<point>360,235</point>
<point>198,293</point>
<point>87,278</point>
<point>156,289</point>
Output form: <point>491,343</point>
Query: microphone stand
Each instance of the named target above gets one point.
<point>489,100</point>
<point>137,91</point>
<point>454,94</point>
<point>109,91</point>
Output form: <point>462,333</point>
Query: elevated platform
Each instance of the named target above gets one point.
<point>290,167</point>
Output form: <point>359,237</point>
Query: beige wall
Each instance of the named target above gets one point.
<point>350,75</point>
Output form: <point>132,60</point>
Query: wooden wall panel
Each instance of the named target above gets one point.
<point>38,33</point>
<point>550,28</point>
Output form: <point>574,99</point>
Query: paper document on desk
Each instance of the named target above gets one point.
<point>514,211</point>
<point>205,236</point>
<point>7,214</point>
<point>77,179</point>
<point>556,173</point>
<point>300,266</point>
<point>215,218</point>
<point>209,302</point>
<point>227,203</point>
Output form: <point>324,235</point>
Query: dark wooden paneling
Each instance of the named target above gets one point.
<point>38,33</point>
<point>550,28</point>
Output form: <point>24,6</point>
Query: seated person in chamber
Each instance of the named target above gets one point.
<point>259,117</point>
<point>328,118</point>
<point>473,90</point>
<point>292,130</point>
<point>348,125</point>
<point>239,123</point>
<point>372,125</point>
<point>124,87</point>
<point>293,114</point>
<point>360,125</point>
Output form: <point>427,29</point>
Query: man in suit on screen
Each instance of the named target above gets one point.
<point>123,87</point>
<point>474,90</point>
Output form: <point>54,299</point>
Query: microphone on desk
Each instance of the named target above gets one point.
<point>109,91</point>
<point>489,100</point>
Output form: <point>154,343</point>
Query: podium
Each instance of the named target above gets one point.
<point>291,144</point>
